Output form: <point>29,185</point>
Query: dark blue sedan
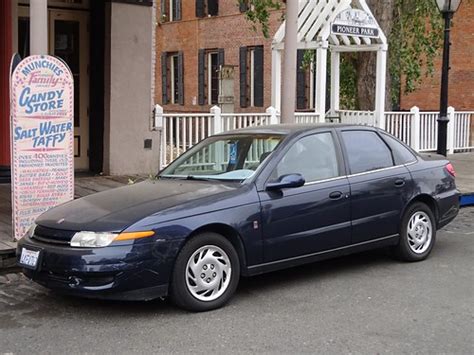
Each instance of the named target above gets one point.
<point>239,204</point>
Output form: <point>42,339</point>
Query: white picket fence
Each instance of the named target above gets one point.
<point>180,131</point>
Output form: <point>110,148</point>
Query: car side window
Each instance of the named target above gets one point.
<point>366,151</point>
<point>313,156</point>
<point>401,154</point>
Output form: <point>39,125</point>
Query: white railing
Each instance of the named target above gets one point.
<point>307,117</point>
<point>462,140</point>
<point>399,124</point>
<point>180,131</point>
<point>357,117</point>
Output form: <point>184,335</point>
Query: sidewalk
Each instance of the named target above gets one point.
<point>463,164</point>
<point>83,186</point>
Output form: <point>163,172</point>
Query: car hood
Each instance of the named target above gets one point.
<point>116,209</point>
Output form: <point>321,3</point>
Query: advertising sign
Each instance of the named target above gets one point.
<point>355,22</point>
<point>42,138</point>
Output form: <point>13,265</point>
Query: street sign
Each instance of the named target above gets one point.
<point>355,22</point>
<point>42,138</point>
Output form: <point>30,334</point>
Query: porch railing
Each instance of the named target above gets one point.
<point>180,131</point>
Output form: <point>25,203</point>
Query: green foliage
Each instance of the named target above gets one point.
<point>258,13</point>
<point>413,44</point>
<point>348,85</point>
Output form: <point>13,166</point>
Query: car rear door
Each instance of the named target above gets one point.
<point>314,217</point>
<point>379,187</point>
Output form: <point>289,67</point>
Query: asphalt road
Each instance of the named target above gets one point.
<point>366,303</point>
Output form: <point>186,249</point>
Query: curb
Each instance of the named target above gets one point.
<point>467,199</point>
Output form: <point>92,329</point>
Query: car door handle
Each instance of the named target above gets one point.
<point>336,195</point>
<point>400,182</point>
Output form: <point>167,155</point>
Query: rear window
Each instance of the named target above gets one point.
<point>401,154</point>
<point>366,151</point>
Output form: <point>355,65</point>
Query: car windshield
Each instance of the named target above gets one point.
<point>233,158</point>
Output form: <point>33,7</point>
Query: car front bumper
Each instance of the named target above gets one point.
<point>124,272</point>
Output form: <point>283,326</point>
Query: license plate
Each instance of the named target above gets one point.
<point>29,258</point>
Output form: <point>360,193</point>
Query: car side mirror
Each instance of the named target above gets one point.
<point>286,181</point>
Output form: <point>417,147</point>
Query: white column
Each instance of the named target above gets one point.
<point>380,87</point>
<point>38,27</point>
<point>451,141</point>
<point>415,128</point>
<point>276,79</point>
<point>335,82</point>
<point>321,67</point>
<point>289,64</point>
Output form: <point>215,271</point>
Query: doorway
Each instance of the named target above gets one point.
<point>68,40</point>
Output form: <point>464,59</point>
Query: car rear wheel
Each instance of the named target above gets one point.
<point>417,234</point>
<point>206,273</point>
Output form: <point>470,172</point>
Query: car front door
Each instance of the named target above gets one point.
<point>379,187</point>
<point>311,218</point>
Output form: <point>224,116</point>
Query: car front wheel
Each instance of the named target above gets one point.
<point>206,273</point>
<point>417,234</point>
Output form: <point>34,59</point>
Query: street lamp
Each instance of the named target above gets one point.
<point>447,8</point>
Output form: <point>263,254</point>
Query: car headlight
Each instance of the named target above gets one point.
<point>103,239</point>
<point>31,231</point>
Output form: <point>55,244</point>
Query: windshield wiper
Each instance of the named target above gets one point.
<point>199,178</point>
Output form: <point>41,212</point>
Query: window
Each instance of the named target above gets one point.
<point>401,154</point>
<point>251,76</point>
<point>170,10</point>
<point>172,78</point>
<point>210,62</point>
<point>245,5</point>
<point>366,151</point>
<point>224,157</point>
<point>207,8</point>
<point>313,156</point>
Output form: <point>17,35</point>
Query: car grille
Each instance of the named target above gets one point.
<point>53,236</point>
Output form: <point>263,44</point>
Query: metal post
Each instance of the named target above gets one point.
<point>38,27</point>
<point>443,111</point>
<point>289,63</point>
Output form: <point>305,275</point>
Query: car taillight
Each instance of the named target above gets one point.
<point>450,169</point>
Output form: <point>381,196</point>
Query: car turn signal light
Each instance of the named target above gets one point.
<point>133,235</point>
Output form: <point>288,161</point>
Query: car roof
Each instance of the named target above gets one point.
<point>286,129</point>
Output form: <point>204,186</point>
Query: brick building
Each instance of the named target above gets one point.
<point>196,34</point>
<point>194,38</point>
<point>461,76</point>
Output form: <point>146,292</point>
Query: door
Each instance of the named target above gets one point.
<point>69,40</point>
<point>311,218</point>
<point>379,187</point>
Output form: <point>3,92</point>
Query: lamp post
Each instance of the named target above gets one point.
<point>447,8</point>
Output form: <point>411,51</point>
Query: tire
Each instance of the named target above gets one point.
<point>417,233</point>
<point>206,273</point>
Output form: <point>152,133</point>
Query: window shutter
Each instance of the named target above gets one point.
<point>180,78</point>
<point>220,57</point>
<point>258,76</point>
<point>243,77</point>
<point>300,81</point>
<point>201,73</point>
<point>243,6</point>
<point>164,78</point>
<point>213,7</point>
<point>177,10</point>
<point>200,8</point>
